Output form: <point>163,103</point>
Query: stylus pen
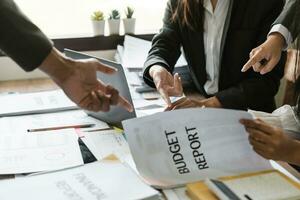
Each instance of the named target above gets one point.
<point>61,127</point>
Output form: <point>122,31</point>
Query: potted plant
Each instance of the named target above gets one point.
<point>114,22</point>
<point>98,23</point>
<point>129,21</point>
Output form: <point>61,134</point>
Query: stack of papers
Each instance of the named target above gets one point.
<point>133,56</point>
<point>135,53</point>
<point>96,181</point>
<point>47,151</point>
<point>32,103</point>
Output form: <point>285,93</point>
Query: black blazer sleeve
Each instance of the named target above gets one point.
<point>165,49</point>
<point>290,17</point>
<point>255,90</point>
<point>20,39</point>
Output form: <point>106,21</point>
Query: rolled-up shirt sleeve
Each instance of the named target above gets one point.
<point>281,29</point>
<point>20,39</point>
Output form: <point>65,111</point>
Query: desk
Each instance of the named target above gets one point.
<point>24,86</point>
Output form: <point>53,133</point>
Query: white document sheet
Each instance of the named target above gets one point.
<point>20,124</point>
<point>136,52</point>
<point>26,153</point>
<point>283,117</point>
<point>38,102</point>
<point>105,143</point>
<point>96,181</point>
<point>178,147</point>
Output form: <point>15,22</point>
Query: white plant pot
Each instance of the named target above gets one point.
<point>129,25</point>
<point>98,27</point>
<point>114,26</point>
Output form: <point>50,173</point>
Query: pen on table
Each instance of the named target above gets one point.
<point>61,127</point>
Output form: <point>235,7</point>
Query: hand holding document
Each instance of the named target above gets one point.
<point>178,147</point>
<point>47,151</point>
<point>96,181</point>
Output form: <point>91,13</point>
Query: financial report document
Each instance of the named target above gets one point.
<point>39,152</point>
<point>95,181</point>
<point>183,146</point>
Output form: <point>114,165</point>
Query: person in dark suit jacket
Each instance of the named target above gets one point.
<point>216,38</point>
<point>269,141</point>
<point>285,29</point>
<point>21,40</point>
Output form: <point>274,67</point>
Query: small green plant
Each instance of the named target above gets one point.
<point>115,14</point>
<point>97,15</point>
<point>129,12</point>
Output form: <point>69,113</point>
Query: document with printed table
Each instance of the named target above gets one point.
<point>106,180</point>
<point>183,146</point>
<point>21,124</point>
<point>47,151</point>
<point>265,185</point>
<point>32,103</point>
<point>105,143</point>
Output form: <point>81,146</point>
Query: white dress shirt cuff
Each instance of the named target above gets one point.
<point>279,28</point>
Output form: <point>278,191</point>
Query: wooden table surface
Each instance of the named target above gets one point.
<point>24,86</point>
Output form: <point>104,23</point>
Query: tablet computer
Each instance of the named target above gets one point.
<point>117,80</point>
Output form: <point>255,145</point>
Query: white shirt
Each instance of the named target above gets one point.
<point>279,28</point>
<point>214,22</point>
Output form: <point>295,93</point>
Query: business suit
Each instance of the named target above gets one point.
<point>20,39</point>
<point>243,31</point>
<point>290,17</point>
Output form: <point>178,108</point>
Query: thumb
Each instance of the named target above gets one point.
<point>178,84</point>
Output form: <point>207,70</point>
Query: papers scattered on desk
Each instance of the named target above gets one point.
<point>105,143</point>
<point>135,53</point>
<point>31,103</point>
<point>178,147</point>
<point>97,181</point>
<point>20,124</point>
<point>47,151</point>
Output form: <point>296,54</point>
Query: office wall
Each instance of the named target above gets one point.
<point>11,71</point>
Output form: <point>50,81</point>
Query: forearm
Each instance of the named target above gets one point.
<point>288,17</point>
<point>20,39</point>
<point>57,66</point>
<point>254,93</point>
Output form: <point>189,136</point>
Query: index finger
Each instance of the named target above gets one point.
<point>104,68</point>
<point>256,58</point>
<point>125,104</point>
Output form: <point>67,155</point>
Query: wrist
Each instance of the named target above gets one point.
<point>294,157</point>
<point>277,39</point>
<point>155,69</point>
<point>212,102</point>
<point>57,66</point>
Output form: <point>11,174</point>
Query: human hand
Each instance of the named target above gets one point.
<point>265,57</point>
<point>166,84</point>
<point>78,80</point>
<point>186,102</point>
<point>270,142</point>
